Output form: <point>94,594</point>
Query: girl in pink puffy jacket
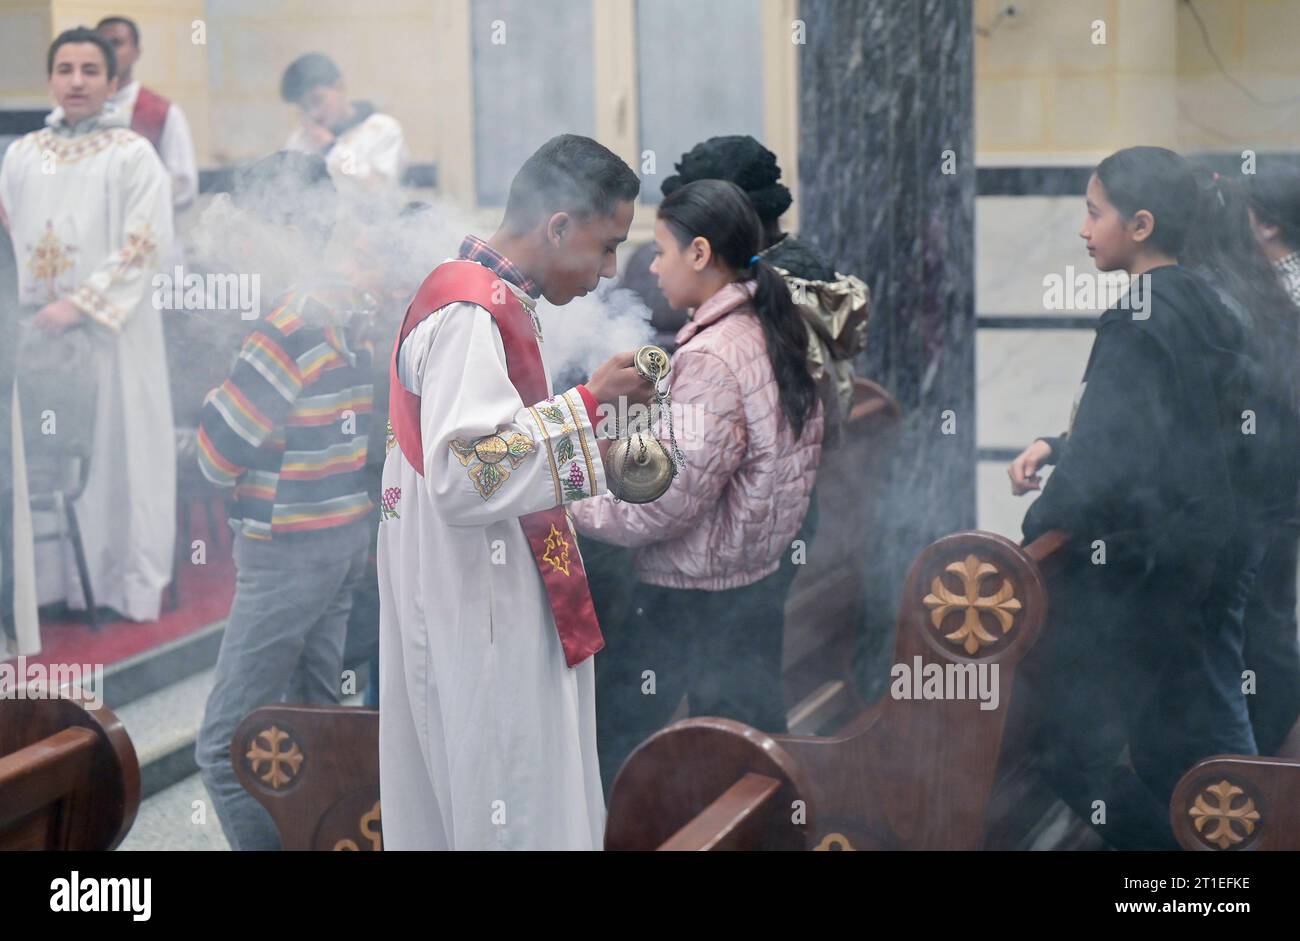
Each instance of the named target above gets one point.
<point>707,615</point>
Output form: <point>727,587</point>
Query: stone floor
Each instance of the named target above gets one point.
<point>178,818</point>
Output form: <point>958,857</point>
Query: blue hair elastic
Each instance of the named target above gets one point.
<point>753,261</point>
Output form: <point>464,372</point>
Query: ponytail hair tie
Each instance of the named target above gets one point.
<point>753,260</point>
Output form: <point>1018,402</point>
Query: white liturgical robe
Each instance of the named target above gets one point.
<point>487,739</point>
<point>89,207</point>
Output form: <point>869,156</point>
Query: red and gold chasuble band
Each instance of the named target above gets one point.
<point>150,115</point>
<point>548,531</point>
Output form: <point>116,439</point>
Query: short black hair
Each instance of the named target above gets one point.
<point>572,174</point>
<point>305,73</point>
<point>121,21</point>
<point>80,34</point>
<point>1158,180</point>
<point>289,188</point>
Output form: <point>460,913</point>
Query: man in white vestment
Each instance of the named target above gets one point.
<point>149,114</point>
<point>487,632</point>
<point>88,204</point>
<point>364,149</point>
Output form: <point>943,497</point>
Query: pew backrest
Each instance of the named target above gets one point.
<point>69,776</point>
<point>316,771</point>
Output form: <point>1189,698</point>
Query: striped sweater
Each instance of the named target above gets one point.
<point>289,427</point>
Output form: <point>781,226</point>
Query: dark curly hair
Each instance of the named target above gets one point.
<point>737,159</point>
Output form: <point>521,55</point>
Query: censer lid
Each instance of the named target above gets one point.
<point>652,363</point>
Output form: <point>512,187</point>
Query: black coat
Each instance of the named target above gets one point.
<point>1144,651</point>
<point>1151,465</point>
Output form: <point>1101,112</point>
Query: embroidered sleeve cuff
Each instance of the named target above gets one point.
<point>97,307</point>
<point>570,445</point>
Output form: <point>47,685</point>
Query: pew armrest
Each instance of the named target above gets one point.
<point>746,793</point>
<point>1238,802</point>
<point>733,821</point>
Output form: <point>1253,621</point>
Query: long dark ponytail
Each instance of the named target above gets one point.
<point>720,212</point>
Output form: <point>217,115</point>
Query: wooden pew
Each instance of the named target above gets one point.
<point>316,771</point>
<point>1239,802</point>
<point>823,613</point>
<point>927,774</point>
<point>69,776</point>
<point>907,774</point>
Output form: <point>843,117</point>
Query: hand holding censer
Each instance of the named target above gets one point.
<point>639,469</point>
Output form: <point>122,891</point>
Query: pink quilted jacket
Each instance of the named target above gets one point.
<point>736,507</point>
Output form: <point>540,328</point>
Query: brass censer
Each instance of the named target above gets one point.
<point>638,468</point>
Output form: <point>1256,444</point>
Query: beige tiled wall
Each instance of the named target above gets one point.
<point>24,38</point>
<point>1043,86</point>
<point>1046,93</point>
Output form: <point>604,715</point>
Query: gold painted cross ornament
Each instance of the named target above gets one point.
<point>941,601</point>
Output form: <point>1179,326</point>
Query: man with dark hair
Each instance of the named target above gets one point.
<point>487,631</point>
<point>88,207</point>
<point>289,430</point>
<point>149,114</point>
<point>364,149</point>
<point>78,35</point>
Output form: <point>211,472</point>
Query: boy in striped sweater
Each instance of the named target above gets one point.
<point>288,430</point>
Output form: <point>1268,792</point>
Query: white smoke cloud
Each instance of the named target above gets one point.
<point>390,254</point>
<point>585,332</point>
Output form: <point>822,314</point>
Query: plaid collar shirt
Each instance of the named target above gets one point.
<point>475,249</point>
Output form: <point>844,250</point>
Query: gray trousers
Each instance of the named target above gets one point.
<point>283,643</point>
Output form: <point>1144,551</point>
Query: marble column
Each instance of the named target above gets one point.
<point>887,190</point>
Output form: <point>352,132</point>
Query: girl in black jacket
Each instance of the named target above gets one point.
<point>1141,671</point>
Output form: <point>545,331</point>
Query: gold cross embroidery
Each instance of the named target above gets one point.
<point>137,251</point>
<point>555,541</point>
<point>49,258</point>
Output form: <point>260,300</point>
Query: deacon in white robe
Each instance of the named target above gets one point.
<point>366,159</point>
<point>88,208</point>
<point>175,145</point>
<point>487,738</point>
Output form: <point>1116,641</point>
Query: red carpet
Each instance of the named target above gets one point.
<point>205,595</point>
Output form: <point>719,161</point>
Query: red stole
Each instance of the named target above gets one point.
<point>150,115</point>
<point>548,531</point>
